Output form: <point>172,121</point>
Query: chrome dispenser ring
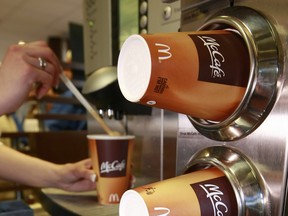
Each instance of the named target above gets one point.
<point>264,82</point>
<point>249,188</point>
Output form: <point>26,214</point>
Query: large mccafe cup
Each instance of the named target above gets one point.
<point>111,157</point>
<point>203,74</point>
<point>201,193</point>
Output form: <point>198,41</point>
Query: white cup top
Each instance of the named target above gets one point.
<point>108,137</point>
<point>134,68</point>
<point>132,204</point>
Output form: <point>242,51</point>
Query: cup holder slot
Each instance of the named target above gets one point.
<point>248,185</point>
<point>266,60</point>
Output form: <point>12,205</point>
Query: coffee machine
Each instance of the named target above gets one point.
<point>250,146</point>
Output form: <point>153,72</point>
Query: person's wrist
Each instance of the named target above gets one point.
<point>55,176</point>
<point>62,172</point>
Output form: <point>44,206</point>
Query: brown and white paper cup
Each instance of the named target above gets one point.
<point>201,193</point>
<point>111,158</point>
<point>203,74</point>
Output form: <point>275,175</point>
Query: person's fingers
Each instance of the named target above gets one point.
<point>93,177</point>
<point>38,43</point>
<point>85,170</point>
<point>41,78</point>
<point>87,163</point>
<point>45,53</point>
<point>40,49</point>
<point>86,178</point>
<point>83,185</point>
<point>38,63</point>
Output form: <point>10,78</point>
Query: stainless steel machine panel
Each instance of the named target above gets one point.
<point>265,145</point>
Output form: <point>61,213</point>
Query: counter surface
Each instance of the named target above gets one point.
<point>59,202</point>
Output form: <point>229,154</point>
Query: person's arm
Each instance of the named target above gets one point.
<point>28,170</point>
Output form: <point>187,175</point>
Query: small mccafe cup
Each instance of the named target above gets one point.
<point>201,193</point>
<point>111,157</point>
<point>203,74</point>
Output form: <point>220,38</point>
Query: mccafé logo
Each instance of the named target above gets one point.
<point>163,52</point>
<point>214,194</point>
<point>216,57</point>
<point>107,167</point>
<point>216,197</point>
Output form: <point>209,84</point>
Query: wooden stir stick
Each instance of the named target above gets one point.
<point>87,105</point>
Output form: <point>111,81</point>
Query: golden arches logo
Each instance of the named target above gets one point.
<point>163,51</point>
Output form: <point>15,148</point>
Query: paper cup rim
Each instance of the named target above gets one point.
<point>138,77</point>
<point>108,137</point>
<point>132,199</point>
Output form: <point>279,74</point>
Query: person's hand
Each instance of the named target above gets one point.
<point>24,68</point>
<point>77,176</point>
<point>80,176</point>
